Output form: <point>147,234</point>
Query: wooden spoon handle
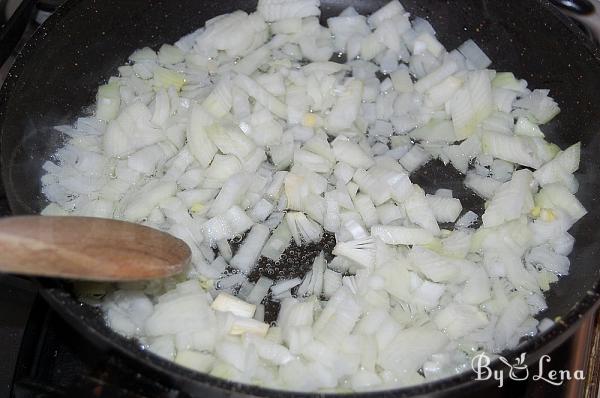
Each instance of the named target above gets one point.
<point>88,248</point>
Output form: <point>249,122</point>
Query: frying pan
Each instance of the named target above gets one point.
<point>56,75</point>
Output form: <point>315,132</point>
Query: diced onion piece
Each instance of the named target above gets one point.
<point>474,54</point>
<point>283,285</point>
<point>514,149</point>
<point>249,251</point>
<point>471,104</point>
<point>302,228</point>
<point>259,291</point>
<point>199,144</point>
<point>346,108</point>
<point>276,10</point>
<point>228,303</point>
<point>395,235</point>
<point>166,78</point>
<point>444,209</point>
<point>511,200</point>
<point>108,101</point>
<point>248,325</point>
<point>362,251</point>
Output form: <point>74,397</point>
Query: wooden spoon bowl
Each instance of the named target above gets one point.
<point>88,248</point>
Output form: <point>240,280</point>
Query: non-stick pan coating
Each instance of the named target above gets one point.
<point>82,44</point>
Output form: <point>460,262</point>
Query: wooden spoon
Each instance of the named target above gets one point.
<point>88,248</point>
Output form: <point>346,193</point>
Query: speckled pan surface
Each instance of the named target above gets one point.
<point>81,45</point>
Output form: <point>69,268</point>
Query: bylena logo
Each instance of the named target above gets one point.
<point>520,371</point>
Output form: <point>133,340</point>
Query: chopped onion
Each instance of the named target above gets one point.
<point>259,291</point>
<point>248,253</point>
<point>228,303</point>
<point>245,135</point>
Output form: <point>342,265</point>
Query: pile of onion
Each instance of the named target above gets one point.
<point>246,136</point>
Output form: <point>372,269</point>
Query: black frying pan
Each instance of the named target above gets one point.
<point>81,45</point>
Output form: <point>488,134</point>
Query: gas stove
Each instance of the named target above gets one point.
<point>41,355</point>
